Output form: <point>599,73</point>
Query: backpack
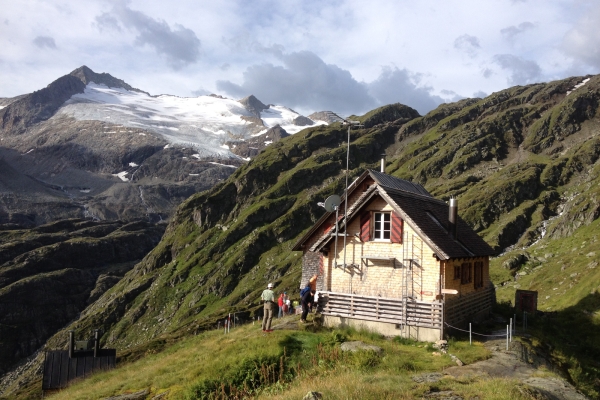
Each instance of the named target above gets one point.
<point>303,291</point>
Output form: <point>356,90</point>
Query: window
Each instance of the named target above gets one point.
<point>457,272</point>
<point>478,273</point>
<point>382,226</point>
<point>465,273</point>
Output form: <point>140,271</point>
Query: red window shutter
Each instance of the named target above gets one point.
<point>397,228</point>
<point>327,227</point>
<point>365,227</point>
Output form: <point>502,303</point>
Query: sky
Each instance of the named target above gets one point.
<point>346,56</point>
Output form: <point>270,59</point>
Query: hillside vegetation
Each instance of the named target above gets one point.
<point>288,363</point>
<point>522,162</point>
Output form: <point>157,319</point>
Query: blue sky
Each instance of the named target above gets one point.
<point>348,56</point>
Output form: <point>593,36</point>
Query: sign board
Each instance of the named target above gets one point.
<point>427,293</point>
<point>449,291</point>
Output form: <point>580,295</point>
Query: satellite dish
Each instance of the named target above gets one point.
<point>332,203</point>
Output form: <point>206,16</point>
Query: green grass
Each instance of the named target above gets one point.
<point>285,364</point>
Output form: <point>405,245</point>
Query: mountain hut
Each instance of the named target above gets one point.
<point>404,265</point>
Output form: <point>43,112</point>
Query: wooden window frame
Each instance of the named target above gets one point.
<point>466,276</point>
<point>456,272</point>
<point>478,274</point>
<point>378,230</point>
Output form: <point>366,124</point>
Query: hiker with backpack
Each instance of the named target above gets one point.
<point>306,302</point>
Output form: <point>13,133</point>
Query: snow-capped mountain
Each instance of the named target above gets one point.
<point>90,145</point>
<point>205,123</point>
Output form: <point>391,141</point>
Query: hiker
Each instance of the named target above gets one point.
<point>286,304</point>
<point>306,304</point>
<point>280,303</point>
<point>268,297</point>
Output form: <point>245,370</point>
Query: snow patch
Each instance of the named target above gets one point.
<point>132,164</point>
<point>122,176</point>
<point>583,82</point>
<point>85,190</point>
<point>224,165</point>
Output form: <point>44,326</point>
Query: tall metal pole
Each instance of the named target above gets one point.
<point>336,237</point>
<point>346,197</point>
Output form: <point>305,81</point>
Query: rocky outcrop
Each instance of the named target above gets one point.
<point>86,76</point>
<point>253,105</point>
<point>39,105</point>
<point>49,274</point>
<point>252,147</point>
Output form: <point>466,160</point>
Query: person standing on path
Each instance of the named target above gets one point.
<point>306,303</point>
<point>268,297</point>
<point>280,303</point>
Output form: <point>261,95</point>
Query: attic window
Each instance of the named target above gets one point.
<point>382,227</point>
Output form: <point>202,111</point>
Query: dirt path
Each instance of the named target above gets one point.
<point>506,364</point>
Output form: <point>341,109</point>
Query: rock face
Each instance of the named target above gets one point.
<point>49,274</point>
<point>253,105</point>
<point>54,167</point>
<point>252,147</point>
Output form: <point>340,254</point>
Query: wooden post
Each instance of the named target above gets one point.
<point>96,343</point>
<point>71,343</point>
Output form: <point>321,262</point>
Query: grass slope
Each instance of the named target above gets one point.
<point>289,363</point>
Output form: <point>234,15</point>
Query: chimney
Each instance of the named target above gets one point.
<point>383,163</point>
<point>453,217</point>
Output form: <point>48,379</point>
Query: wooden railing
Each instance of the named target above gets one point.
<point>462,309</point>
<point>370,308</point>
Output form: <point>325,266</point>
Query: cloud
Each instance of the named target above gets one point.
<point>581,42</point>
<point>480,94</point>
<point>44,41</point>
<point>468,44</point>
<point>246,43</point>
<point>200,92</point>
<point>400,86</point>
<point>522,71</point>
<point>511,32</point>
<point>487,72</point>
<point>179,45</point>
<point>304,81</point>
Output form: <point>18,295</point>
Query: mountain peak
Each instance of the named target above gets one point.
<point>254,105</point>
<point>86,75</point>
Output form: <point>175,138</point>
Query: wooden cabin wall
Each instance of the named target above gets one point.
<point>376,277</point>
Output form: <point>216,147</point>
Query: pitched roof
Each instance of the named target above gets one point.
<point>427,215</point>
<point>397,183</point>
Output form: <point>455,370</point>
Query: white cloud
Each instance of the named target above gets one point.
<point>510,33</point>
<point>582,42</point>
<point>521,71</point>
<point>44,41</point>
<point>179,46</point>
<point>468,44</point>
<point>304,81</point>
